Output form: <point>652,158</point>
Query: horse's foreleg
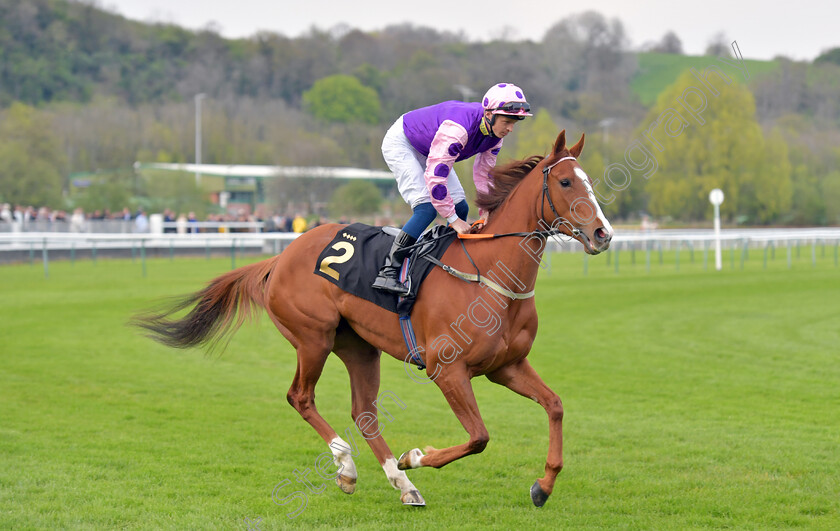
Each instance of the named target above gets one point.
<point>362,362</point>
<point>521,378</point>
<point>454,382</point>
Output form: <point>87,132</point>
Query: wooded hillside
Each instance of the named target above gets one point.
<point>83,90</point>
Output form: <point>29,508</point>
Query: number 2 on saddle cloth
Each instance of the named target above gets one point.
<point>352,259</point>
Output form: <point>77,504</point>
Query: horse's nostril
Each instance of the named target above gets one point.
<point>602,235</point>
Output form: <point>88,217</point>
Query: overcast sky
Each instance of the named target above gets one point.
<point>799,30</point>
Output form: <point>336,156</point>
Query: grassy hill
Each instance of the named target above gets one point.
<point>658,70</point>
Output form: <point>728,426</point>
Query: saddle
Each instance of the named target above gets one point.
<point>353,257</point>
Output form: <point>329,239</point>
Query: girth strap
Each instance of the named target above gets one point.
<point>472,277</point>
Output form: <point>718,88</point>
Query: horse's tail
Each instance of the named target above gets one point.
<point>213,310</point>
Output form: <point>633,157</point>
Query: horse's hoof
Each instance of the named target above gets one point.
<point>538,496</point>
<point>410,459</point>
<point>346,484</point>
<point>413,498</point>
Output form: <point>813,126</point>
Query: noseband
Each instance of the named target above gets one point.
<point>553,231</point>
<point>545,195</point>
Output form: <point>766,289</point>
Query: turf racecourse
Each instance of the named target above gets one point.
<point>694,399</point>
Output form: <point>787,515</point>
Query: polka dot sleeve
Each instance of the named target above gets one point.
<point>484,162</point>
<point>449,140</point>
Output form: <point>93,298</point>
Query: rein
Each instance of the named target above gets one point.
<point>476,277</point>
<point>543,233</point>
<point>545,195</point>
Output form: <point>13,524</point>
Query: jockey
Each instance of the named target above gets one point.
<point>421,148</point>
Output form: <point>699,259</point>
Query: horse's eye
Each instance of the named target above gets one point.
<point>565,183</point>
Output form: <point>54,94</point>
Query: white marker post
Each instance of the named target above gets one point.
<point>716,198</point>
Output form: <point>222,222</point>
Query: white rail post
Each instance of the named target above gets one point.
<point>716,198</point>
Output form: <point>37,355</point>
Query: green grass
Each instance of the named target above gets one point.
<point>694,399</point>
<point>659,70</point>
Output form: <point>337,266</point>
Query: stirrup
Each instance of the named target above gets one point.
<point>392,285</point>
<point>388,278</point>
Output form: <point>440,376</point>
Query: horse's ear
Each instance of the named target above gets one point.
<point>560,143</point>
<point>577,148</point>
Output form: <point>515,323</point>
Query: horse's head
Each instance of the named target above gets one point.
<point>568,201</point>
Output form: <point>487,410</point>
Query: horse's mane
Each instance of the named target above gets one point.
<point>503,180</point>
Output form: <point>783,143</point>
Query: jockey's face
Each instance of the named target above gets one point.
<point>504,124</point>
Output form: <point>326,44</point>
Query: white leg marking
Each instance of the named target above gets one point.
<point>397,477</point>
<point>414,458</point>
<point>342,457</point>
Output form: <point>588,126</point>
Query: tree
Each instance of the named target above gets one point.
<point>31,160</point>
<point>535,136</point>
<point>831,56</point>
<point>586,54</point>
<point>831,194</point>
<point>783,91</point>
<point>814,159</point>
<point>174,190</point>
<point>773,187</point>
<point>358,197</point>
<point>718,45</point>
<point>111,191</point>
<point>808,203</point>
<point>670,43</point>
<point>720,147</point>
<point>342,99</point>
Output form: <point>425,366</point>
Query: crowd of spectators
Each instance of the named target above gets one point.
<point>26,215</point>
<point>28,218</point>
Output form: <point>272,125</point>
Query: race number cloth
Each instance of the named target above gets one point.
<point>352,260</point>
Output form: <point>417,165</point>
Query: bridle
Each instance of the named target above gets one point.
<point>545,195</point>
<point>552,231</point>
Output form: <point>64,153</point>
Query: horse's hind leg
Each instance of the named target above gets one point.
<point>301,396</point>
<point>362,362</point>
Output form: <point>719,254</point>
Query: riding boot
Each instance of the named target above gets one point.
<point>388,278</point>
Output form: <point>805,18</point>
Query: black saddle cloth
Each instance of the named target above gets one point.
<point>352,260</point>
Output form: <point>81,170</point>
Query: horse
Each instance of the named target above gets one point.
<point>537,197</point>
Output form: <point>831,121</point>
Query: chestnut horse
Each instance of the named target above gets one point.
<point>467,329</point>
